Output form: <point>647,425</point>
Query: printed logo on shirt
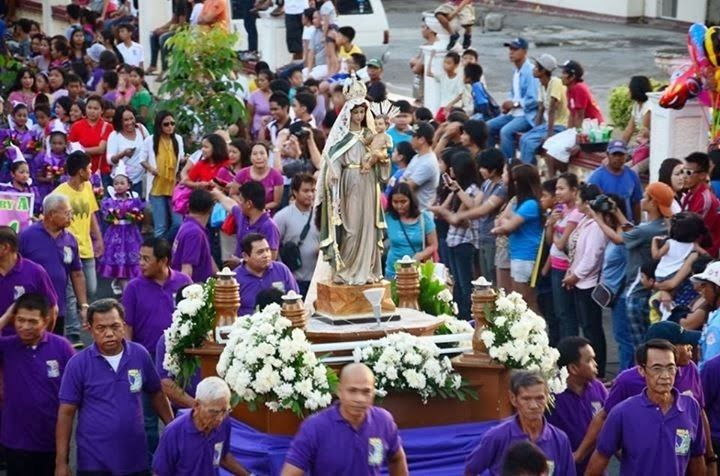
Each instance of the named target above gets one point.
<point>279,285</point>
<point>596,406</point>
<point>709,340</point>
<point>53,368</point>
<point>67,255</point>
<point>18,291</point>
<point>688,393</point>
<point>682,442</point>
<point>217,453</point>
<point>551,467</point>
<point>375,453</point>
<point>135,379</point>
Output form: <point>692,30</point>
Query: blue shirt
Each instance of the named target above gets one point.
<point>529,85</point>
<point>397,137</point>
<point>400,245</point>
<point>710,338</point>
<point>626,185</point>
<point>523,243</point>
<point>614,266</point>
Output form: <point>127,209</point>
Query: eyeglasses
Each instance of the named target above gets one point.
<point>217,413</point>
<point>690,172</point>
<point>660,370</point>
<point>166,124</point>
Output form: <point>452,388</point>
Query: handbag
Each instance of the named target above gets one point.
<point>603,295</point>
<point>181,199</point>
<point>290,251</point>
<point>218,216</point>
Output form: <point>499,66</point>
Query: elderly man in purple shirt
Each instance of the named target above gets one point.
<point>585,394</point>
<point>528,394</point>
<point>352,437</point>
<point>33,362</point>
<point>197,443</point>
<point>191,250</point>
<point>660,431</point>
<point>103,384</point>
<point>260,272</point>
<point>19,275</point>
<point>49,244</point>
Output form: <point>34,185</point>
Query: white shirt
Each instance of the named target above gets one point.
<point>517,111</point>
<point>117,143</point>
<point>673,260</point>
<point>133,54</point>
<point>113,360</point>
<point>295,7</point>
<point>195,14</point>
<point>308,33</point>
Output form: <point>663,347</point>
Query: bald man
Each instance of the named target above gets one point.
<point>352,437</point>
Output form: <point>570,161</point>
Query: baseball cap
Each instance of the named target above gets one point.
<point>616,146</point>
<point>711,274</point>
<point>95,51</point>
<point>546,62</point>
<point>663,195</point>
<point>573,68</point>
<point>517,44</point>
<point>424,130</point>
<point>374,63</point>
<point>672,332</point>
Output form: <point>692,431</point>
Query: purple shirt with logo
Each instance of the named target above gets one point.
<point>277,275</point>
<point>192,247</point>
<point>653,443</point>
<point>710,376</point>
<point>32,382</point>
<point>487,457</point>
<point>186,451</point>
<point>572,413</point>
<point>25,277</point>
<point>58,256</point>
<point>149,307</point>
<point>264,225</point>
<point>327,444</point>
<point>630,383</point>
<point>160,356</point>
<point>110,431</point>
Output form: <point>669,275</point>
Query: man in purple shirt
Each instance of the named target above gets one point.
<point>149,301</point>
<point>250,216</point>
<point>191,251</point>
<point>102,384</point>
<point>585,394</point>
<point>659,431</point>
<point>33,362</point>
<point>528,394</point>
<point>710,376</point>
<point>197,443</point>
<point>260,272</point>
<point>19,276</point>
<point>352,437</point>
<point>49,244</point>
<point>631,381</point>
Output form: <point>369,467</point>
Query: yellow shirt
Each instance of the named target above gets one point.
<point>164,181</point>
<point>556,89</point>
<point>343,55</point>
<point>84,205</point>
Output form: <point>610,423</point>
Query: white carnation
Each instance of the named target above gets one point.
<point>194,291</point>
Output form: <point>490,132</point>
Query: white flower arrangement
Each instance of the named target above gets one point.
<point>404,362</point>
<point>453,325</point>
<point>516,337</point>
<point>267,361</point>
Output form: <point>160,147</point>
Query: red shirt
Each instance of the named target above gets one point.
<point>702,201</point>
<point>579,98</point>
<point>91,136</point>
<point>205,171</point>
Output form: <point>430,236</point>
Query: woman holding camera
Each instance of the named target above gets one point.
<point>587,248</point>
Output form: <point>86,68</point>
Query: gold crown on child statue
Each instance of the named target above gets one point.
<point>354,89</point>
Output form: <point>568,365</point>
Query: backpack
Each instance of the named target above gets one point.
<point>483,102</point>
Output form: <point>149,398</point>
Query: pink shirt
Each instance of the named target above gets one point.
<point>558,258</point>
<point>272,179</point>
<point>589,251</point>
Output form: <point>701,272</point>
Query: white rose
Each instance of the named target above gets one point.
<point>194,291</point>
<point>189,307</point>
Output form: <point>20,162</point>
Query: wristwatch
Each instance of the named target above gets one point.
<point>516,104</point>
<point>84,306</point>
<point>711,459</point>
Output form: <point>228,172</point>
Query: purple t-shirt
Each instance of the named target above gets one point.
<point>276,276</point>
<point>149,307</point>
<point>327,444</point>
<point>160,356</point>
<point>572,413</point>
<point>186,451</point>
<point>25,277</point>
<point>192,247</point>
<point>264,225</point>
<point>58,256</point>
<point>653,443</point>
<point>272,179</point>
<point>487,457</point>
<point>710,377</point>
<point>630,383</point>
<point>32,382</point>
<point>111,430</point>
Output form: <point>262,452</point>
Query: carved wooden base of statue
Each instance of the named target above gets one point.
<point>340,304</point>
<point>408,283</point>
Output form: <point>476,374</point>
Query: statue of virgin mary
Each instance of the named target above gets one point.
<point>354,167</point>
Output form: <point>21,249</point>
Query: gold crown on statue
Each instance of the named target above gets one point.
<point>354,89</point>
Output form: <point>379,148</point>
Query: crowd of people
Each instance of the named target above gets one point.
<point>477,186</point>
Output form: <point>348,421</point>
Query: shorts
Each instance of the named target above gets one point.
<point>521,270</point>
<point>466,15</point>
<point>293,33</point>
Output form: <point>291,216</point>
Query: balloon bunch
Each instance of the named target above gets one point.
<point>700,78</point>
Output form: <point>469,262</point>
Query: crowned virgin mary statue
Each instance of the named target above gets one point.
<point>355,164</point>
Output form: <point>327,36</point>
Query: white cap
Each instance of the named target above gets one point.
<point>711,274</point>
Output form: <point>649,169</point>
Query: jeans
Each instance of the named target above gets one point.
<point>72,319</point>
<point>166,222</point>
<point>249,22</point>
<point>564,306</point>
<point>462,258</point>
<point>157,45</point>
<point>637,308</point>
<point>590,316</point>
<point>623,336</point>
<point>504,128</point>
<point>486,259</point>
<point>532,140</point>
<point>152,431</point>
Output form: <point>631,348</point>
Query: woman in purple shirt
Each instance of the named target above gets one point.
<point>258,103</point>
<point>260,171</point>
